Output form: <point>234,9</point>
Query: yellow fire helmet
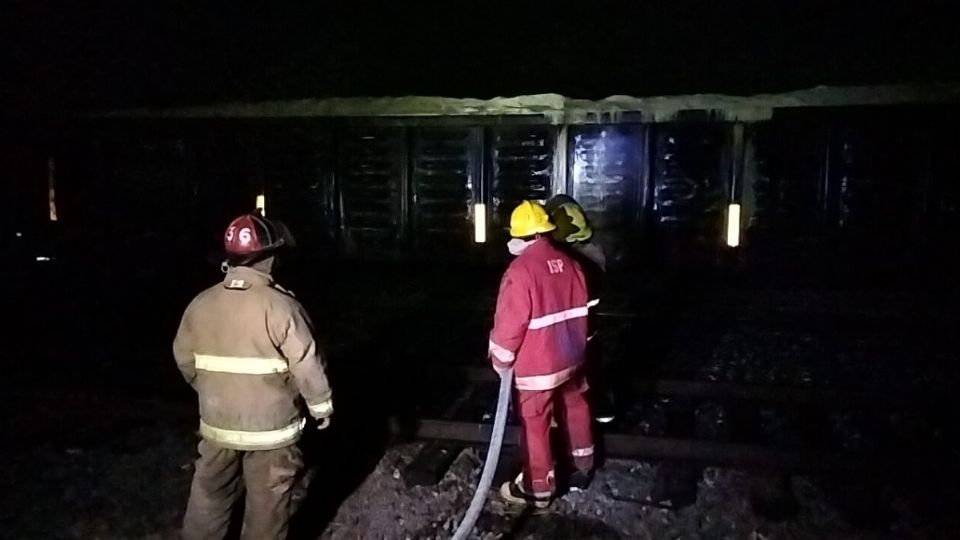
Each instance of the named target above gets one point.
<point>528,219</point>
<point>571,222</point>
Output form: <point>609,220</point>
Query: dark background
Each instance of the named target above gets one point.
<point>99,54</point>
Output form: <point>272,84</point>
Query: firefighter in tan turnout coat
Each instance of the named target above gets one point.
<point>247,348</point>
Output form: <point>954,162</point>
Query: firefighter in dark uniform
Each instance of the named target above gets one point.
<point>574,232</point>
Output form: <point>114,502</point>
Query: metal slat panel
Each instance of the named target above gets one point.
<point>605,175</point>
<point>690,188</point>
<point>445,170</point>
<point>371,168</point>
<point>786,159</point>
<point>522,160</point>
<point>768,187</point>
<point>297,170</point>
<point>874,174</point>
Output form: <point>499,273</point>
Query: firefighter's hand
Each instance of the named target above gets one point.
<point>500,368</point>
<point>323,423</point>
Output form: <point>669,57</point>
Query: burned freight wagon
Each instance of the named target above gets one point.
<point>665,180</point>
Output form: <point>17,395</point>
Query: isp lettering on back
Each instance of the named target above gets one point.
<point>555,266</point>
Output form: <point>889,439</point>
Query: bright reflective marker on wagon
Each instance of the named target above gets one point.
<point>479,223</point>
<point>733,225</point>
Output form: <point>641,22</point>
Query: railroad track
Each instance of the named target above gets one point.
<point>881,399</point>
<point>631,446</point>
<point>624,442</point>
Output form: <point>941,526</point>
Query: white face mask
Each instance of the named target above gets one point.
<point>516,246</point>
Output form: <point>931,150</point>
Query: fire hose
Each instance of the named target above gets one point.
<point>493,457</point>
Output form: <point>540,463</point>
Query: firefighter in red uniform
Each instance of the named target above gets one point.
<point>540,330</point>
<point>247,348</point>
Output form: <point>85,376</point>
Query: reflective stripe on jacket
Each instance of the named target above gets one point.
<point>540,325</point>
<point>247,347</point>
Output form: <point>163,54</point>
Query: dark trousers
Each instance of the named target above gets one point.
<point>597,370</point>
<point>221,477</point>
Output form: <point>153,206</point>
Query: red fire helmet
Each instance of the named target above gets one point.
<point>251,235</point>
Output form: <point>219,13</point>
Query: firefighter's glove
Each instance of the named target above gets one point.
<point>323,423</point>
<point>501,369</point>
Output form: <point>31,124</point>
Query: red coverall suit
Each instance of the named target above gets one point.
<point>540,329</point>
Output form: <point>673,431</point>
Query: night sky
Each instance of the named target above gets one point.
<point>95,54</point>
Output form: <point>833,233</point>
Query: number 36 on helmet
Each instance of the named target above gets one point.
<point>251,236</point>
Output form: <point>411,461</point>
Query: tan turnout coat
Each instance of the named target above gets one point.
<point>247,348</point>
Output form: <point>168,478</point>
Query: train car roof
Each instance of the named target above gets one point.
<point>558,109</point>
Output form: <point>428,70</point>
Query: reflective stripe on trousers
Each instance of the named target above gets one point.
<point>253,440</point>
<point>582,452</point>
<point>244,365</point>
<point>526,487</point>
<point>545,382</point>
